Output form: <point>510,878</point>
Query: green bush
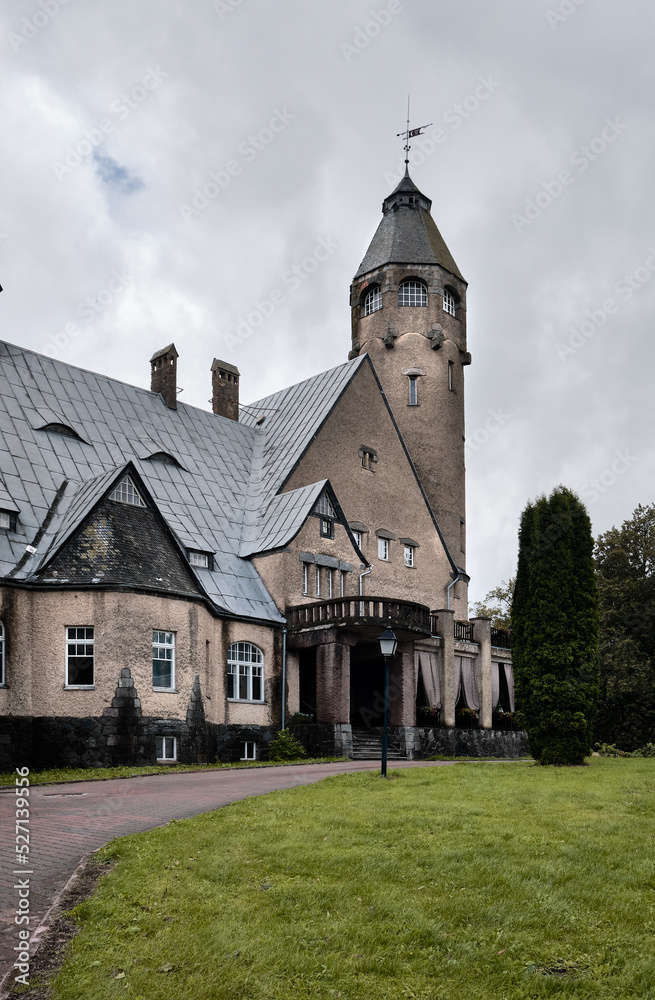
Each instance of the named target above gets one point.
<point>555,629</point>
<point>285,746</point>
<point>610,750</point>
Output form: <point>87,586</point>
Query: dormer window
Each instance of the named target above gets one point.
<point>7,520</point>
<point>449,301</point>
<point>126,492</point>
<point>64,430</point>
<point>412,293</point>
<point>373,300</point>
<point>163,456</point>
<point>201,560</point>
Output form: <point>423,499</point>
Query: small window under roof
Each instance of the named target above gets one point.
<point>126,492</point>
<point>324,507</point>
<point>63,429</point>
<point>163,456</point>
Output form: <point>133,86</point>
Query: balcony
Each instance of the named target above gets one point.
<point>361,612</point>
<point>464,631</point>
<point>501,638</point>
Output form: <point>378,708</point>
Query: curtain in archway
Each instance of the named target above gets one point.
<point>468,682</point>
<point>427,663</point>
<point>495,683</point>
<point>509,676</point>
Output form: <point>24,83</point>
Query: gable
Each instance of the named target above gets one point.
<point>121,544</point>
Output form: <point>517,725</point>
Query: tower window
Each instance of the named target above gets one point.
<point>373,300</point>
<point>80,657</point>
<point>449,301</point>
<point>412,293</point>
<point>450,376</point>
<point>163,660</point>
<point>413,390</point>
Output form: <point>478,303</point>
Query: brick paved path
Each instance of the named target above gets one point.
<point>68,821</point>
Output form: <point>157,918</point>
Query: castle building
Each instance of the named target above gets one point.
<point>176,584</point>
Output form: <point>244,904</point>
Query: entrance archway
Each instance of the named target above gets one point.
<point>366,685</point>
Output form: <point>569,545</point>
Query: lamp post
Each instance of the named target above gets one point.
<point>388,647</point>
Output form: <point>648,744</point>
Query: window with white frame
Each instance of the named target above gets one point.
<point>201,560</point>
<point>330,582</point>
<point>449,301</point>
<point>412,293</point>
<point>2,653</point>
<point>126,492</point>
<point>409,555</point>
<point>342,574</point>
<point>249,750</point>
<point>80,656</point>
<point>318,581</point>
<point>245,672</point>
<point>305,578</point>
<point>383,549</point>
<point>357,535</point>
<point>413,390</point>
<point>373,300</point>
<point>166,747</point>
<point>163,660</point>
<point>5,520</point>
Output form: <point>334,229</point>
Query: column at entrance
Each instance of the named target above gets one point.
<point>333,682</point>
<point>402,687</point>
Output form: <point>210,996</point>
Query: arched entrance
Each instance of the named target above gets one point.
<point>366,685</point>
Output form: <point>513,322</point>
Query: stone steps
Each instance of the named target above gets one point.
<point>367,745</point>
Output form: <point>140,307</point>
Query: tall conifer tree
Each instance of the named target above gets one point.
<point>555,629</point>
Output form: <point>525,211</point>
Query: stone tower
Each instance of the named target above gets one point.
<point>408,302</point>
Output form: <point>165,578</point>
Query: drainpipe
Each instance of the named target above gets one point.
<point>458,577</point>
<point>284,674</point>
<point>361,587</point>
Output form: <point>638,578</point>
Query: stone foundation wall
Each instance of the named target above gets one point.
<point>474,743</point>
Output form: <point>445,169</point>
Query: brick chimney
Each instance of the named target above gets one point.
<point>164,375</point>
<point>225,389</point>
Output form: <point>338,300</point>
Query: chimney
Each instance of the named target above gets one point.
<point>225,389</point>
<point>164,375</point>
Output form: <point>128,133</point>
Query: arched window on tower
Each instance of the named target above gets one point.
<point>412,293</point>
<point>450,301</point>
<point>372,300</point>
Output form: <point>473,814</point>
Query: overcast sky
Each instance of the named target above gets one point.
<point>116,114</point>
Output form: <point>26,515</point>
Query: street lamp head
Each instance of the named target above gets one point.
<point>388,643</point>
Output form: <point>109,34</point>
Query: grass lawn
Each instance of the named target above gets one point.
<point>104,773</point>
<point>500,881</point>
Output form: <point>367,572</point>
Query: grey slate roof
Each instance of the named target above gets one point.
<point>222,499</point>
<point>202,503</point>
<point>407,234</point>
<point>292,417</point>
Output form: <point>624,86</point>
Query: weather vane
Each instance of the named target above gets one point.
<point>410,134</point>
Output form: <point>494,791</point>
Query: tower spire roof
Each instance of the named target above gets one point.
<point>407,233</point>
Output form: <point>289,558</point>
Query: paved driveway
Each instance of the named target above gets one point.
<point>68,821</point>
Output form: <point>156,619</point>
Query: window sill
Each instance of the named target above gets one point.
<point>165,690</point>
<point>245,701</point>
<point>79,687</point>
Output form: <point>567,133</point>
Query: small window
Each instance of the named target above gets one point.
<point>383,549</point>
<point>2,653</point>
<point>201,560</point>
<point>373,300</point>
<point>166,747</point>
<point>369,457</point>
<point>5,520</point>
<point>324,506</point>
<point>409,555</point>
<point>327,527</point>
<point>80,656</point>
<point>318,581</point>
<point>249,750</point>
<point>165,458</point>
<point>342,574</point>
<point>126,492</point>
<point>413,390</point>
<point>62,429</point>
<point>330,582</point>
<point>450,375</point>
<point>357,535</point>
<point>163,660</point>
<point>412,293</point>
<point>449,302</point>
<point>245,672</point>
<point>305,578</point>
